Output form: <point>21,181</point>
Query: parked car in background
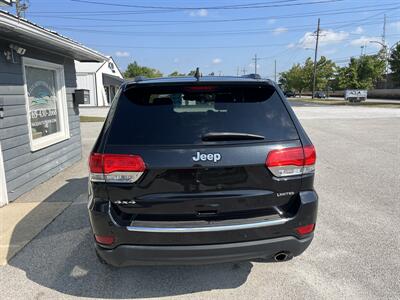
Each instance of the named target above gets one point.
<point>320,95</point>
<point>289,94</point>
<point>355,95</point>
<point>201,170</point>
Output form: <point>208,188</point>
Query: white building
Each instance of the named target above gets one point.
<point>101,79</point>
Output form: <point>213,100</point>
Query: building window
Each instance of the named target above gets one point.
<point>112,93</point>
<point>46,103</point>
<point>107,91</point>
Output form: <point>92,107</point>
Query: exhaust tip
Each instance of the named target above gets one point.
<point>281,256</point>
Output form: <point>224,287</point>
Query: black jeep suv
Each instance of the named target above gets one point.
<point>201,170</point>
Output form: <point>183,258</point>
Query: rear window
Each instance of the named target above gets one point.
<point>173,115</point>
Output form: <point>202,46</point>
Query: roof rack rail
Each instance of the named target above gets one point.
<point>252,76</point>
<point>139,78</point>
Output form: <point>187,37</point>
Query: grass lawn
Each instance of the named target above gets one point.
<point>91,119</point>
<point>342,102</point>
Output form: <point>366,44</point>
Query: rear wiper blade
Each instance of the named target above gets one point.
<point>230,136</point>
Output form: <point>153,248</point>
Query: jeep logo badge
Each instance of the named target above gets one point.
<point>215,157</point>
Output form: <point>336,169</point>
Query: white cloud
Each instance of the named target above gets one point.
<point>326,37</point>
<point>395,25</point>
<point>216,61</point>
<point>251,65</point>
<point>327,52</point>
<point>358,30</point>
<point>279,30</point>
<point>122,53</point>
<point>291,45</point>
<point>199,13</point>
<point>271,21</point>
<point>365,40</point>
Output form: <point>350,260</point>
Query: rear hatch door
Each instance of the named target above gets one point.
<point>204,147</point>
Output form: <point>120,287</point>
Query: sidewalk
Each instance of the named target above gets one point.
<point>28,215</point>
<point>94,111</point>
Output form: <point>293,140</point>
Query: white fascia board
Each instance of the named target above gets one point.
<point>46,36</point>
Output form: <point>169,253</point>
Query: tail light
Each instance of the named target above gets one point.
<point>291,161</point>
<point>104,239</point>
<point>117,168</point>
<point>303,230</point>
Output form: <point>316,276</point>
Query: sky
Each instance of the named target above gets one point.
<point>221,36</point>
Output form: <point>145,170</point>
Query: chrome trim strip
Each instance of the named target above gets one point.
<point>208,228</point>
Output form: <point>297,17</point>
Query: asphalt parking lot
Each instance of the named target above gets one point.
<point>355,253</point>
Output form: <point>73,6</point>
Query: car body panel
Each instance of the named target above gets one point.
<point>228,197</point>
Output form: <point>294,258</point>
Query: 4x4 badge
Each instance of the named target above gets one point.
<point>215,157</point>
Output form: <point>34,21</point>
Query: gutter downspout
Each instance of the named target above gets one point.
<point>3,185</point>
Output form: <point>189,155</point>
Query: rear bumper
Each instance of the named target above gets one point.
<point>212,244</point>
<point>126,255</point>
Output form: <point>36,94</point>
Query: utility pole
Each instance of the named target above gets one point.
<point>275,69</point>
<point>315,59</point>
<point>255,63</point>
<point>384,30</point>
<point>237,71</point>
<point>385,48</point>
<point>244,70</point>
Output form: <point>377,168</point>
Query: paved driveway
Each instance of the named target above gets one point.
<point>355,254</point>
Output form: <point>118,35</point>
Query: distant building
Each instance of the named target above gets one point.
<point>101,79</point>
<point>39,115</point>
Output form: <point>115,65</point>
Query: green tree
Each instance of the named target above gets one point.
<point>308,74</point>
<point>394,62</point>
<point>363,72</point>
<point>176,74</point>
<point>300,78</point>
<point>293,79</point>
<point>371,69</point>
<point>191,73</point>
<point>326,70</point>
<point>347,77</point>
<point>134,69</point>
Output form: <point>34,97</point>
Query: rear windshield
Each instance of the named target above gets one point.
<point>187,114</point>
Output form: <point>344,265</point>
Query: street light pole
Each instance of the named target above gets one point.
<point>386,52</point>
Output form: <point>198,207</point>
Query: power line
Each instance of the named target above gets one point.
<point>304,26</point>
<point>169,22</point>
<point>185,8</point>
<point>190,47</point>
<point>225,7</point>
<point>213,47</point>
<point>111,12</point>
<point>72,15</point>
<point>203,33</point>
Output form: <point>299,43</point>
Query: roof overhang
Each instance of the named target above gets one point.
<point>112,80</point>
<point>27,33</point>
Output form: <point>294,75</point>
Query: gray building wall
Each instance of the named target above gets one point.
<point>25,169</point>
